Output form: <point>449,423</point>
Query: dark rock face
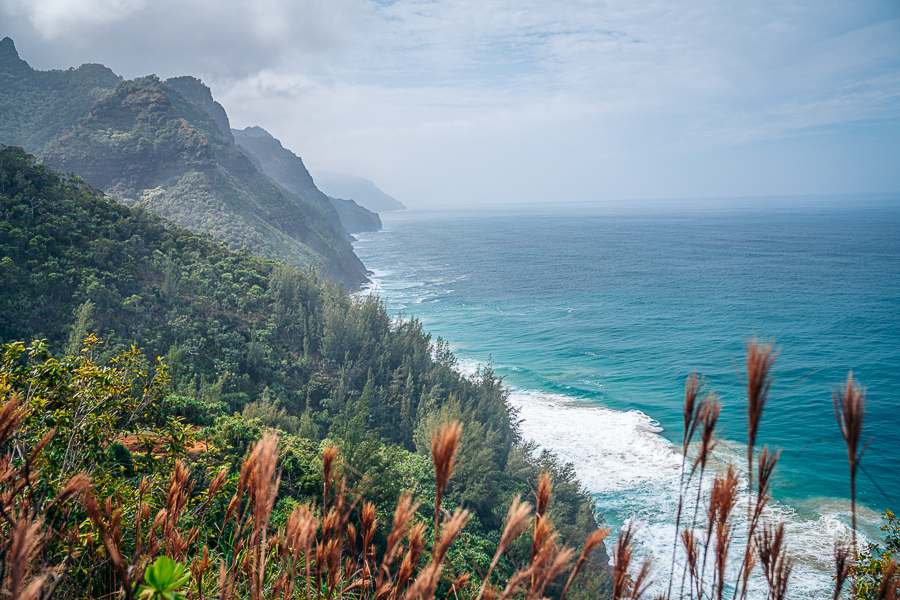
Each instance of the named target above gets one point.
<point>194,90</point>
<point>354,217</point>
<point>9,58</point>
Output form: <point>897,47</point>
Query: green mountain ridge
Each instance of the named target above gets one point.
<point>36,107</point>
<point>144,142</point>
<point>288,170</point>
<point>354,217</point>
<point>194,90</point>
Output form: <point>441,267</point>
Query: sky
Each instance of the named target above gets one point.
<point>480,101</point>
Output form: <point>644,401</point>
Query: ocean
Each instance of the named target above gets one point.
<point>596,315</point>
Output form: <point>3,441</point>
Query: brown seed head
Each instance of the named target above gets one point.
<point>553,568</point>
<point>544,491</point>
<point>842,554</point>
<point>411,557</point>
<point>760,358</point>
<point>770,546</point>
<point>217,482</point>
<point>782,576</point>
<point>516,523</point>
<point>642,581</point>
<point>850,412</point>
<point>767,462</point>
<point>449,533</point>
<point>723,497</point>
<point>265,488</point>
<point>623,554</point>
<point>403,516</point>
<point>10,416</point>
<point>711,408</point>
<point>594,539</point>
<point>890,582</point>
<point>518,579</point>
<point>23,545</point>
<point>78,484</point>
<point>691,548</point>
<point>444,444</point>
<point>329,457</point>
<point>691,409</point>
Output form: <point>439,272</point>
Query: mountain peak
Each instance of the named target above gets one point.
<point>254,131</point>
<point>199,93</point>
<point>353,187</point>
<point>8,47</point>
<point>9,56</point>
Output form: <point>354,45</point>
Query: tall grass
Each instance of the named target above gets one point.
<point>324,552</point>
<point>706,545</point>
<point>331,551</point>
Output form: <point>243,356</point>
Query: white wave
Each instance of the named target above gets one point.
<point>634,474</point>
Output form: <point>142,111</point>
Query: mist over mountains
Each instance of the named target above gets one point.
<point>363,191</point>
<point>288,170</point>
<point>168,147</point>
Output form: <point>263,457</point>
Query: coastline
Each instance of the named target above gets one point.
<point>633,473</point>
<point>636,475</point>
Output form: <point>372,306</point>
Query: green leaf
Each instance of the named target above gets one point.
<point>165,577</point>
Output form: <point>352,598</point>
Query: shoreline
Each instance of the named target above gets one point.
<point>628,482</point>
<point>640,483</point>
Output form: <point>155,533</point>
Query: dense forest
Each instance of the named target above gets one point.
<point>247,346</point>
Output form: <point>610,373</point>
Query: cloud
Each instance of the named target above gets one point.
<point>419,91</point>
<point>51,18</point>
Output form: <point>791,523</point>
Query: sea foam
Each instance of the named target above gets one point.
<point>634,475</point>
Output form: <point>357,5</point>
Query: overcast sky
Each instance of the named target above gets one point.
<point>476,101</point>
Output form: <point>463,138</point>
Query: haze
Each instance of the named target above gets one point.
<point>480,101</point>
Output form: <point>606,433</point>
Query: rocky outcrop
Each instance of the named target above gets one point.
<point>36,107</point>
<point>194,90</point>
<point>355,218</point>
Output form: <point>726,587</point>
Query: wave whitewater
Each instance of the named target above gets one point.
<point>633,473</point>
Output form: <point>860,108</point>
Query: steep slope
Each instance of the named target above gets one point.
<point>37,107</point>
<point>235,329</point>
<point>194,90</point>
<point>145,143</point>
<point>288,170</point>
<point>354,217</point>
<point>363,191</point>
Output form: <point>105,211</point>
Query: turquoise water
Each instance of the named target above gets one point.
<point>595,318</point>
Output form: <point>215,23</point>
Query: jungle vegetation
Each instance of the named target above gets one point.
<point>161,354</point>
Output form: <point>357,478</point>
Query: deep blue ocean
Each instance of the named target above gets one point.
<point>596,316</point>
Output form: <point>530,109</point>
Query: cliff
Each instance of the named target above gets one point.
<point>194,90</point>
<point>286,169</point>
<point>354,217</point>
<point>145,144</point>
